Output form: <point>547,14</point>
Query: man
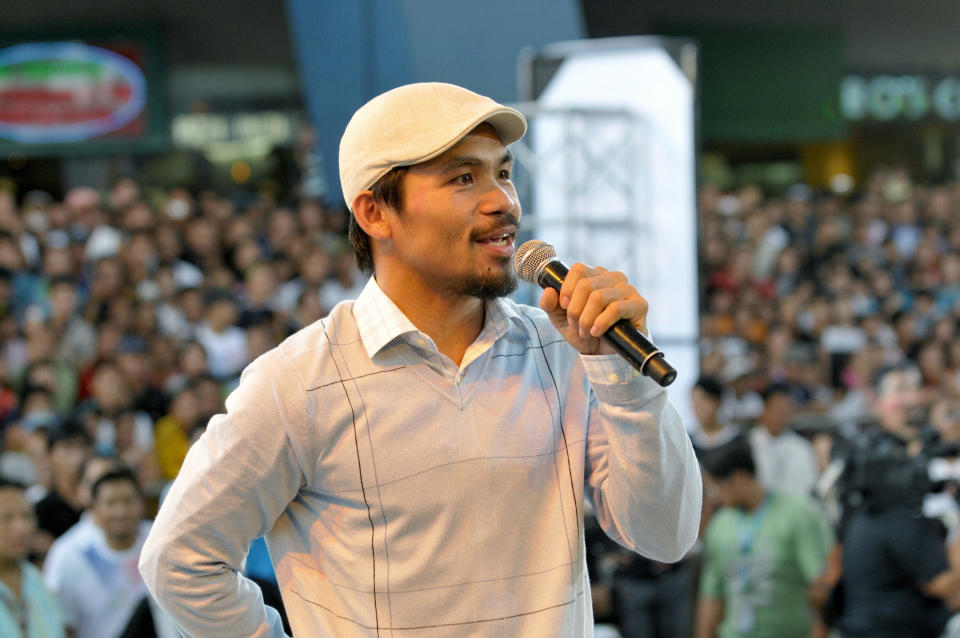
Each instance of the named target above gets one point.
<point>897,579</point>
<point>95,467</point>
<point>70,446</point>
<point>27,610</point>
<point>419,459</point>
<point>786,462</point>
<point>95,577</point>
<point>709,432</point>
<point>762,551</point>
<point>225,343</point>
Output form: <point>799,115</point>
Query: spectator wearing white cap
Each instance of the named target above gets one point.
<point>419,459</point>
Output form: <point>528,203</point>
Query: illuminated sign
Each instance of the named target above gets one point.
<point>54,92</point>
<point>199,130</point>
<point>885,98</point>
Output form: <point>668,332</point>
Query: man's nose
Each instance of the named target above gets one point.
<point>499,198</point>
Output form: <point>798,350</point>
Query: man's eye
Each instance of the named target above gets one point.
<point>466,178</point>
<point>504,173</point>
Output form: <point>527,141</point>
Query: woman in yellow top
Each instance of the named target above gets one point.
<point>172,432</point>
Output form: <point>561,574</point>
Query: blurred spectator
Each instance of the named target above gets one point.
<point>308,310</point>
<point>111,401</point>
<point>709,432</point>
<point>96,581</point>
<point>761,553</point>
<point>210,396</point>
<point>56,377</point>
<point>85,529</point>
<point>191,364</point>
<point>314,271</point>
<point>225,343</point>
<point>133,363</point>
<point>173,431</point>
<point>70,446</point>
<point>77,341</point>
<point>741,401</point>
<point>785,461</point>
<point>27,610</point>
<point>259,298</point>
<point>347,281</point>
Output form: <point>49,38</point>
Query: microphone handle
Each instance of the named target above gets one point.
<point>625,339</point>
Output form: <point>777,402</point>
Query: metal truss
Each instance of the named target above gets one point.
<point>578,172</point>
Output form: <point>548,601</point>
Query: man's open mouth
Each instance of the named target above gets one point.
<point>501,239</point>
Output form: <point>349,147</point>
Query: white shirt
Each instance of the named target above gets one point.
<point>226,351</point>
<point>98,587</point>
<point>709,441</point>
<point>785,463</point>
<point>81,533</point>
<point>403,495</point>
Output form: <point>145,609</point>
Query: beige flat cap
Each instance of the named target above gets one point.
<point>412,124</point>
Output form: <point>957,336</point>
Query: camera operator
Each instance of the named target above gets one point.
<point>896,573</point>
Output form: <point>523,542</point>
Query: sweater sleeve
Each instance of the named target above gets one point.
<point>235,482</point>
<point>641,472</point>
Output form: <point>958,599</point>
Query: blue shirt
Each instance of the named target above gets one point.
<point>35,609</point>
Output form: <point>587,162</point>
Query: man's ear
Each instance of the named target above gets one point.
<point>371,215</point>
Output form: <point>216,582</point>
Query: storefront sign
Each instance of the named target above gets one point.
<point>201,130</point>
<point>54,92</point>
<point>885,98</point>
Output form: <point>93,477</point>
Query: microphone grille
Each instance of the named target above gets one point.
<point>530,256</point>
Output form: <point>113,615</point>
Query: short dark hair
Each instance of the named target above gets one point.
<point>905,367</point>
<point>387,191</point>
<point>10,484</point>
<point>69,430</point>
<point>776,388</point>
<point>732,457</point>
<point>710,385</point>
<point>116,474</point>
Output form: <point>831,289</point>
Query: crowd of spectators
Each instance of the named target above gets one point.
<point>809,299</point>
<point>126,316</point>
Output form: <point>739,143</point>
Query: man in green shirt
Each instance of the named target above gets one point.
<point>762,550</point>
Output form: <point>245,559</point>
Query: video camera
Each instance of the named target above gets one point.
<point>879,474</point>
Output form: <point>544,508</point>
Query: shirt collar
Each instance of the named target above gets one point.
<point>380,321</point>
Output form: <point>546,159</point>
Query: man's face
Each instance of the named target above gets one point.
<point>16,524</point>
<point>736,490</point>
<point>899,404</point>
<point>94,469</point>
<point>777,412</point>
<point>69,455</point>
<point>460,213</point>
<point>704,405</point>
<point>117,509</point>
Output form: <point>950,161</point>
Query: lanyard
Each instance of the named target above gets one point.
<point>747,529</point>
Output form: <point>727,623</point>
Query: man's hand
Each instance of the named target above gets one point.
<point>590,301</point>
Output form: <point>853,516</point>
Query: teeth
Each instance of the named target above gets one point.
<point>498,240</point>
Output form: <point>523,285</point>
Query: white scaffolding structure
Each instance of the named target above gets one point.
<point>607,175</point>
<point>585,173</point>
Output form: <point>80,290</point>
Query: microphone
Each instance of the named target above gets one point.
<point>536,261</point>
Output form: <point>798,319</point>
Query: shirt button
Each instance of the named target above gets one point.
<point>613,378</point>
<point>458,380</point>
<point>421,343</point>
